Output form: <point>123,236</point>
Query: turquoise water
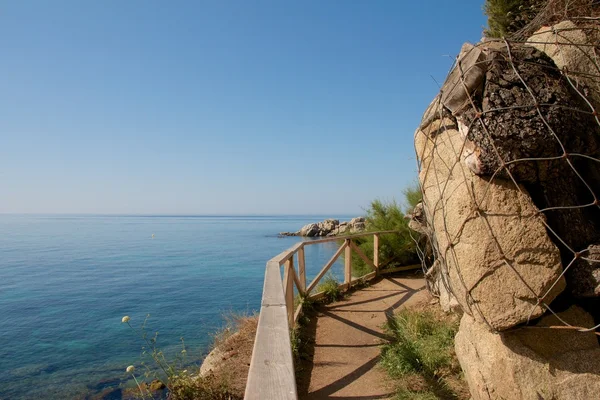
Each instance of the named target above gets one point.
<point>66,282</point>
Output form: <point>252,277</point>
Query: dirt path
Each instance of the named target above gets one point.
<point>347,338</point>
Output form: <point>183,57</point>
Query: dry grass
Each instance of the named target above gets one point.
<point>225,369</point>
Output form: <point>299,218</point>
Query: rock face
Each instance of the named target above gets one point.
<point>489,236</point>
<point>330,227</point>
<point>569,47</point>
<point>439,285</point>
<point>533,139</point>
<point>509,165</point>
<point>584,274</point>
<point>531,363</point>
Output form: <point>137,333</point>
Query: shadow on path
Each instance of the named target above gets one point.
<point>340,362</point>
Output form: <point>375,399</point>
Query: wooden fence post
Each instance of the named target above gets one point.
<point>301,269</point>
<point>289,290</point>
<point>376,252</point>
<point>348,264</point>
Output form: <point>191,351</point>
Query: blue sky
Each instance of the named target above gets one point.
<point>218,107</point>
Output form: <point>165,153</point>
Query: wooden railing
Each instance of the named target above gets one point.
<point>271,375</point>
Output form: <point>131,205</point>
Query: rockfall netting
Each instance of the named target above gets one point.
<point>509,165</point>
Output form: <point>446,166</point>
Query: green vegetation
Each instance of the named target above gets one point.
<point>394,249</point>
<point>421,358</point>
<point>185,386</point>
<point>173,375</point>
<point>330,287</point>
<point>508,16</point>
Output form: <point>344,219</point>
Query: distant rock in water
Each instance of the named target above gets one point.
<point>329,227</point>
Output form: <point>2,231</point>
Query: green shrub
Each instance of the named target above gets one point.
<point>173,373</point>
<point>422,344</point>
<point>508,16</point>
<point>423,352</point>
<point>185,386</point>
<point>394,249</point>
<point>330,287</point>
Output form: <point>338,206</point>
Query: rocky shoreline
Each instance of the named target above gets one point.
<point>329,227</point>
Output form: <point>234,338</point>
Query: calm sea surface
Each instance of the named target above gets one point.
<point>66,282</point>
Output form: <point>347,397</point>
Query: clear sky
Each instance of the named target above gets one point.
<point>218,107</point>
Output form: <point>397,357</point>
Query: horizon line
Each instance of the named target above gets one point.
<point>177,215</point>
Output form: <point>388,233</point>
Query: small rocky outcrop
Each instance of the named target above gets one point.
<point>330,227</point>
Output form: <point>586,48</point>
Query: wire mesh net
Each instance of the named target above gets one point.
<point>509,164</point>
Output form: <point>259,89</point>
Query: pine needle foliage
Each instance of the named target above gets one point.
<point>509,16</point>
<point>395,249</point>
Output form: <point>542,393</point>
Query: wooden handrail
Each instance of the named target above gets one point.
<point>271,375</point>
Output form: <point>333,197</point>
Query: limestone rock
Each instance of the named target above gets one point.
<point>531,363</point>
<point>488,235</point>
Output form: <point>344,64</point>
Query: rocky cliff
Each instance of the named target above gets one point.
<point>509,166</point>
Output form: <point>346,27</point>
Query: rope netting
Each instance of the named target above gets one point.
<point>509,164</point>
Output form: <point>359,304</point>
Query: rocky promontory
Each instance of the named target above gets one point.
<point>330,227</point>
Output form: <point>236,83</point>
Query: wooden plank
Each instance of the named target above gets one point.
<point>348,261</point>
<point>362,255</point>
<point>297,283</point>
<point>398,269</point>
<point>297,313</point>
<point>273,288</point>
<point>376,251</point>
<point>334,238</point>
<point>271,375</point>
<point>326,268</point>
<point>302,269</point>
<point>366,277</point>
<point>284,256</point>
<point>289,291</point>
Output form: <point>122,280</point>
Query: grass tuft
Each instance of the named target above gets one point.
<point>421,358</point>
<point>331,288</point>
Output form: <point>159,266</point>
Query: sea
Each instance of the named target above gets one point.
<point>66,282</point>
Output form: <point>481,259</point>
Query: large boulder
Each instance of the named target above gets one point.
<point>573,52</point>
<point>489,236</point>
<point>309,230</point>
<point>531,363</point>
<point>520,126</point>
